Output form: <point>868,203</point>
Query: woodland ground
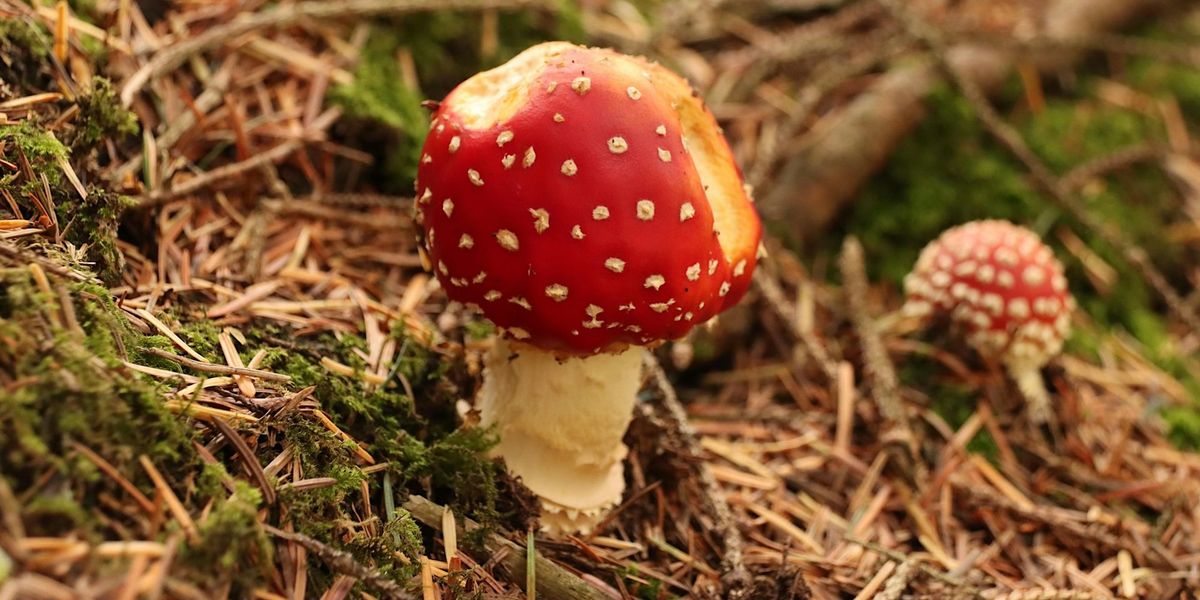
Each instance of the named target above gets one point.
<point>223,372</point>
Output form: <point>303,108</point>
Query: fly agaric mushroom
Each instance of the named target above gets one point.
<point>587,203</point>
<point>1006,289</point>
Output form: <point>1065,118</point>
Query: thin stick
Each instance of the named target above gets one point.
<point>216,368</point>
<point>735,577</point>
<point>774,295</point>
<point>345,564</point>
<point>879,368</point>
<point>553,581</point>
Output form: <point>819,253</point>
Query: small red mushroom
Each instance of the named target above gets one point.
<point>1000,283</point>
<point>587,203</point>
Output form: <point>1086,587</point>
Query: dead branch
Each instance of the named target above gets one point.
<point>217,368</point>
<point>884,383</point>
<point>344,563</point>
<point>553,581</point>
<point>734,576</point>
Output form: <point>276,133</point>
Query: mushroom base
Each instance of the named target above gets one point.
<point>560,422</point>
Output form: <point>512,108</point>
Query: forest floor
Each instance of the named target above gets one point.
<point>224,373</point>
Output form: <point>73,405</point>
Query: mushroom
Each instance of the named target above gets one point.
<point>587,203</point>
<point>1006,289</point>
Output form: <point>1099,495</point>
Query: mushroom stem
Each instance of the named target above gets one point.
<point>560,422</point>
<point>1029,381</point>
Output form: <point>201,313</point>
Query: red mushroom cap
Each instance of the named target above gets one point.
<point>999,282</point>
<point>584,200</point>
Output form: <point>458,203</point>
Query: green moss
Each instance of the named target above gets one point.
<point>40,146</point>
<point>1184,423</point>
<point>202,335</point>
<point>379,95</point>
<point>102,117</point>
<point>386,116</point>
<point>27,36</point>
<point>232,544</point>
<point>5,566</point>
<point>423,447</point>
<point>93,223</point>
<point>71,391</point>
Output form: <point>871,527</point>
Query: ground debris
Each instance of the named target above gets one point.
<point>224,373</point>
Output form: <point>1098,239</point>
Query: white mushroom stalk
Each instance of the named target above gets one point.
<point>560,423</point>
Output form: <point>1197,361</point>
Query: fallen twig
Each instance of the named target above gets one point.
<point>735,578</point>
<point>218,368</point>
<point>344,563</point>
<point>553,581</point>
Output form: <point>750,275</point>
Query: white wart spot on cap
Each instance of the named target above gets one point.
<point>664,155</point>
<point>550,87</point>
<point>615,265</point>
<point>655,281</point>
<point>530,156</point>
<point>541,219</point>
<point>686,211</point>
<point>617,145</point>
<point>645,210</point>
<point>508,240</point>
<point>448,207</point>
<point>661,130</point>
<point>504,138</point>
<point>577,232</point>
<point>712,266</point>
<point>600,213</point>
<point>508,160</point>
<point>1033,275</point>
<point>480,277</point>
<point>693,272</point>
<point>634,93</point>
<point>426,158</point>
<point>1018,308</point>
<point>581,85</point>
<point>592,312</point>
<point>739,268</point>
<point>455,143</point>
<point>556,292</point>
<point>1006,256</point>
<point>559,118</point>
<point>724,289</point>
<point>466,241</point>
<point>473,175</point>
<point>492,295</point>
<point>568,168</point>
<point>522,302</point>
